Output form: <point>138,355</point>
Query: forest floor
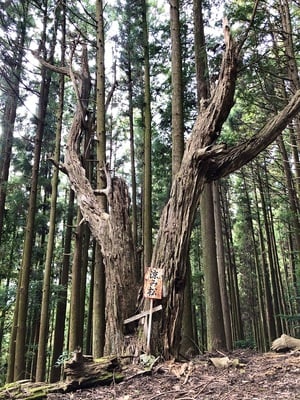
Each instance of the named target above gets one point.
<point>245,374</point>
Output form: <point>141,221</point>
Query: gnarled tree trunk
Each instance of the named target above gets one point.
<point>171,251</point>
<point>111,229</point>
<point>202,162</point>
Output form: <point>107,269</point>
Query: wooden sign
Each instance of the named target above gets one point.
<point>153,283</point>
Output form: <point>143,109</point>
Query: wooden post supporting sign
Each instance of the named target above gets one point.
<point>153,284</point>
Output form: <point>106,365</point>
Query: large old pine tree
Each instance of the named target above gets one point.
<point>203,161</point>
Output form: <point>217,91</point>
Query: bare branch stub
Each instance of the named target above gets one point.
<point>107,191</point>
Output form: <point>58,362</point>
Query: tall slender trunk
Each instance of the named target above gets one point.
<point>293,76</point>
<point>264,315</point>
<point>272,302</point>
<point>188,342</point>
<point>290,84</point>
<point>11,98</point>
<point>75,338</point>
<point>61,306</point>
<point>89,323</point>
<point>21,306</point>
<point>207,210</point>
<point>177,88</point>
<point>44,319</point>
<point>100,282</point>
<point>132,168</point>
<point>232,275</point>
<point>147,195</point>
<point>221,266</point>
<point>214,314</point>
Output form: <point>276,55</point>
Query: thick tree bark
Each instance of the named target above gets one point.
<point>212,247</point>
<point>202,162</point>
<point>111,229</point>
<point>229,160</point>
<point>171,250</point>
<point>188,342</point>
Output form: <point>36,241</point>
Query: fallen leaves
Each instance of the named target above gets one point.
<point>268,376</point>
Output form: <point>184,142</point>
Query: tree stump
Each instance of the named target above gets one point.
<point>82,371</point>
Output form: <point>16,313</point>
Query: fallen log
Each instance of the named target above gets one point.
<point>285,343</point>
<point>80,372</point>
<point>29,390</point>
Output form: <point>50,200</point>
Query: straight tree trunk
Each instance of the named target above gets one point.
<point>99,297</point>
<point>273,255</point>
<point>265,320</point>
<point>132,165</point>
<point>233,287</point>
<point>271,323</point>
<point>89,323</point>
<point>5,311</point>
<point>75,329</point>
<point>100,289</point>
<point>147,195</point>
<point>221,266</point>
<point>207,210</point>
<point>85,239</point>
<point>214,313</point>
<point>11,99</point>
<point>292,85</point>
<point>61,306</point>
<point>12,341</point>
<point>21,306</point>
<point>44,318</point>
<point>188,341</point>
<point>202,76</point>
<point>177,89</point>
<point>293,77</point>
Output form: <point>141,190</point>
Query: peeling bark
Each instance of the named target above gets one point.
<point>111,229</point>
<point>229,160</point>
<point>203,161</point>
<point>171,250</point>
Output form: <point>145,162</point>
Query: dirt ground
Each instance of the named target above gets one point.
<point>244,375</point>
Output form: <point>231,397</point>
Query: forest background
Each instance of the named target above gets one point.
<point>146,70</point>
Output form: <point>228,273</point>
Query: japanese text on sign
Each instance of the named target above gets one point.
<point>153,283</point>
